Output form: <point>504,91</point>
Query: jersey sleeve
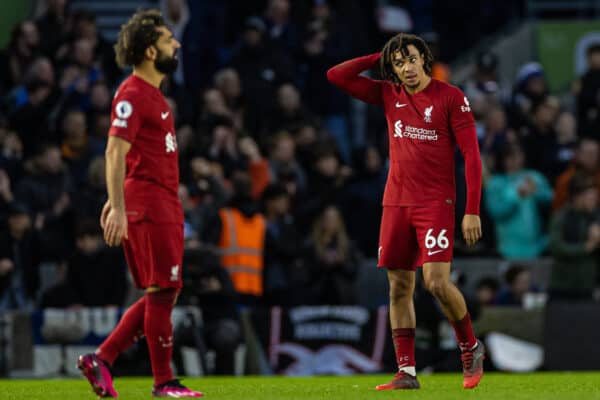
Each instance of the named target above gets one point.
<point>346,76</point>
<point>462,124</point>
<point>460,110</point>
<point>126,116</point>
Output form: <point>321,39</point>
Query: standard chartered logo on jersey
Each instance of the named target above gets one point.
<point>412,132</point>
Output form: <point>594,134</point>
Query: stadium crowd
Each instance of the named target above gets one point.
<point>261,131</point>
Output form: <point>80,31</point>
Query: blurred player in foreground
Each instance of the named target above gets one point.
<point>143,211</point>
<point>426,118</point>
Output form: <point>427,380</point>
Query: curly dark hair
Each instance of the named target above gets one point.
<point>401,42</point>
<point>136,36</point>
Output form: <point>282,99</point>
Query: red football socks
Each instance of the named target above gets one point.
<point>464,333</point>
<point>159,333</point>
<point>404,343</point>
<point>129,329</point>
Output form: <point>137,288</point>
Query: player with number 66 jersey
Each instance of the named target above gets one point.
<point>426,120</point>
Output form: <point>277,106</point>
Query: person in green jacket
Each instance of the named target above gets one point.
<point>516,199</point>
<point>574,241</point>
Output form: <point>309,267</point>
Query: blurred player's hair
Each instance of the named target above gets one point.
<point>401,42</point>
<point>136,36</point>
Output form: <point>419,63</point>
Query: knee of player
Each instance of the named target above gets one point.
<point>400,291</point>
<point>437,287</point>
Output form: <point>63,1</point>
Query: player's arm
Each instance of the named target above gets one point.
<point>126,122</point>
<point>346,76</point>
<point>463,126</point>
<point>115,224</point>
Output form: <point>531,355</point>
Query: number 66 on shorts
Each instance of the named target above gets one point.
<point>412,236</point>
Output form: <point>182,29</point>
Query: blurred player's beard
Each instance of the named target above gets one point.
<point>165,64</point>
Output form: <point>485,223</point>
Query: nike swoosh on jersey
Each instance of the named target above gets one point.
<point>164,115</point>
<point>430,253</point>
<point>400,105</point>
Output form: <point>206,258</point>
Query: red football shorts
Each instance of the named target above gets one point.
<point>154,254</point>
<point>412,236</point>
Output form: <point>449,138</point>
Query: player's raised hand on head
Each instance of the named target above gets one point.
<point>471,228</point>
<point>115,229</point>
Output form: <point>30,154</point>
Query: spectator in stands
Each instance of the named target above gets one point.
<point>323,46</point>
<point>223,147</point>
<point>6,194</point>
<point>307,138</point>
<point>566,143</point>
<point>285,275</point>
<point>85,27</point>
<point>11,154</point>
<point>586,161</point>
<point>288,113</point>
<point>47,189</point>
<point>100,99</point>
<point>78,149</point>
<point>485,80</point>
<point>282,31</point>
<point>574,242</point>
<point>364,192</point>
<point>530,89</point>
<point>208,195</point>
<point>518,283</point>
<point>496,135</point>
<point>486,291</point>
<point>539,137</point>
<point>261,67</point>
<point>213,107</point>
<point>282,160</point>
<point>52,26</point>
<point>516,199</point>
<point>207,285</point>
<point>256,164</point>
<point>19,260</point>
<point>326,185</point>
<point>34,102</point>
<point>91,195</point>
<point>95,274</point>
<point>333,259</point>
<point>588,106</point>
<point>228,83</point>
<point>80,73</point>
<point>16,59</point>
<point>242,240</point>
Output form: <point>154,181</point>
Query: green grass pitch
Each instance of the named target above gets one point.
<point>539,386</point>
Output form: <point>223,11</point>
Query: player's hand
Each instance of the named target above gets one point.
<point>104,214</point>
<point>471,228</point>
<point>115,227</point>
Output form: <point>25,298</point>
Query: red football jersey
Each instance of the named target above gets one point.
<point>423,130</point>
<point>141,116</point>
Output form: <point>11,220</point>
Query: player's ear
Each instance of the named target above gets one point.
<point>151,52</point>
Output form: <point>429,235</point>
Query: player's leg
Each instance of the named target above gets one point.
<point>161,295</point>
<point>95,367</point>
<point>435,233</point>
<point>397,252</point>
<point>402,318</point>
<point>436,276</point>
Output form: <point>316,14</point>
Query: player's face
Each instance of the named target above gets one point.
<point>409,67</point>
<point>166,51</point>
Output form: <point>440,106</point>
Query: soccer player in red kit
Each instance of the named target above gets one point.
<point>425,118</point>
<point>143,212</point>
